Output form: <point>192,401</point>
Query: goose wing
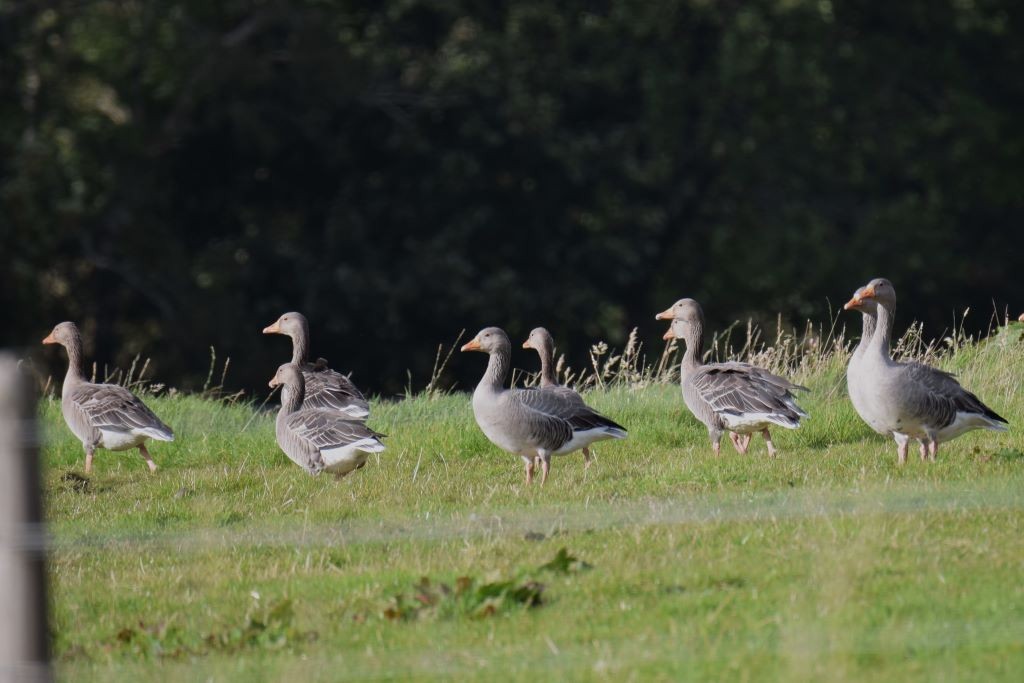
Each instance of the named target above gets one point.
<point>571,396</point>
<point>326,429</point>
<point>570,410</point>
<point>743,389</point>
<point>545,415</point>
<point>109,406</point>
<point>332,390</point>
<point>937,396</point>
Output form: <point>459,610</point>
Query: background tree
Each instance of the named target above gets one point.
<point>175,174</point>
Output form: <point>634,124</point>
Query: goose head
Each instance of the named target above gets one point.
<point>539,339</point>
<point>287,375</point>
<point>489,340</point>
<point>64,334</point>
<point>291,324</point>
<point>858,302</point>
<point>687,310</point>
<point>880,291</point>
<point>676,329</point>
<point>684,309</point>
<point>687,320</point>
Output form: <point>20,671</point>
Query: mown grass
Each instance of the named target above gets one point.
<point>828,563</point>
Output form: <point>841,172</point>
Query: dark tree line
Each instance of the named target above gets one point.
<point>176,173</point>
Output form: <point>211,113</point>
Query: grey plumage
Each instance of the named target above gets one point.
<point>856,380</point>
<point>318,439</point>
<point>910,398</point>
<point>325,388</point>
<point>103,415</point>
<point>737,398</point>
<point>535,424</point>
<point>541,341</point>
<point>741,389</point>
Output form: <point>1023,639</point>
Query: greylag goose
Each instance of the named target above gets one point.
<point>325,388</point>
<point>856,378</point>
<point>534,424</point>
<point>319,439</point>
<point>912,398</point>
<point>541,341</point>
<point>737,398</point>
<point>103,415</point>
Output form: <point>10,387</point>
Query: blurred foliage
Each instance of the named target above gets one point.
<point>177,173</point>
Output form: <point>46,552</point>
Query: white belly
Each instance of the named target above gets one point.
<point>748,423</point>
<point>114,440</point>
<point>582,439</point>
<point>965,422</point>
<point>344,459</point>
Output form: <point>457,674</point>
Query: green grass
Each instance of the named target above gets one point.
<point>828,563</point>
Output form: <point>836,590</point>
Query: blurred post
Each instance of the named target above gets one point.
<point>24,646</point>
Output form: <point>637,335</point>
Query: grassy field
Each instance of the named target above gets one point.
<point>436,561</point>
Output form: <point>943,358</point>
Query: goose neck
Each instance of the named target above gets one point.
<point>292,396</point>
<point>74,349</point>
<point>497,370</point>
<point>867,333</point>
<point>881,340</point>
<point>300,346</point>
<point>694,340</point>
<point>547,369</point>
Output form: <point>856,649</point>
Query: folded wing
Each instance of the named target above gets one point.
<point>112,407</point>
<point>743,390</point>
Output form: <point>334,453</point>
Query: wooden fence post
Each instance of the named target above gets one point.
<point>24,641</point>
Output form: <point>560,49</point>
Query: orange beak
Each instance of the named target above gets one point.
<point>1021,318</point>
<point>664,315</point>
<point>852,303</point>
<point>669,334</point>
<point>49,339</point>
<point>473,345</point>
<point>526,344</point>
<point>868,292</point>
<point>273,329</point>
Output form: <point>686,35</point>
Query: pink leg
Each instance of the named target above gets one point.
<point>88,459</point>
<point>768,440</point>
<point>738,442</point>
<point>923,449</point>
<point>717,447</point>
<point>545,465</point>
<point>933,450</point>
<point>529,470</point>
<point>901,451</point>
<point>149,460</point>
<point>587,460</point>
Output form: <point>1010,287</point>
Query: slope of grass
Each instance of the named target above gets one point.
<point>829,562</point>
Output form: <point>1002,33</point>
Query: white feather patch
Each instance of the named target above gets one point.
<point>344,459</point>
<point>355,411</point>
<point>114,440</point>
<point>584,438</point>
<point>748,423</point>
<point>965,422</point>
